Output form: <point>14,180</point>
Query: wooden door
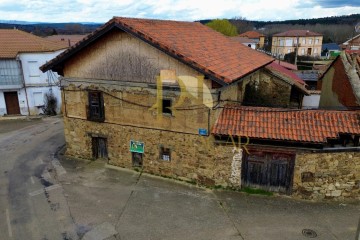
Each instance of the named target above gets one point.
<point>99,148</point>
<point>309,51</point>
<point>268,171</point>
<point>12,103</point>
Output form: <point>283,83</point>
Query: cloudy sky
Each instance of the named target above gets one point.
<point>189,10</point>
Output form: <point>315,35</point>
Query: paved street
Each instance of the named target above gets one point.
<point>43,198</point>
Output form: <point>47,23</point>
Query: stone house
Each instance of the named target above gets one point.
<point>22,84</point>
<point>307,43</point>
<point>167,96</point>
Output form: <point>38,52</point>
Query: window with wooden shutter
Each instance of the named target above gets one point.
<point>96,107</point>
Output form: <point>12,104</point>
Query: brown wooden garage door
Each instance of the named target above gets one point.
<point>269,171</point>
<point>12,103</point>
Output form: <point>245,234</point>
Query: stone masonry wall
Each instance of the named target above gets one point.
<point>194,158</point>
<point>327,176</point>
<point>197,159</point>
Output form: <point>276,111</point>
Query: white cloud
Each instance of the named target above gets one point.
<point>102,11</point>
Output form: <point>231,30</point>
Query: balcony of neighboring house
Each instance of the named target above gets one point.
<point>10,74</point>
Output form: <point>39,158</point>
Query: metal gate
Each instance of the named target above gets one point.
<point>269,171</point>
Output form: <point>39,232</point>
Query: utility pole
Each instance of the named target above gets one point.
<point>296,50</point>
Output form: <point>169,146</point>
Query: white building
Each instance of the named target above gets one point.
<point>22,84</point>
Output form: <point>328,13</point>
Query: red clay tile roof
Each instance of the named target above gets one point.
<point>193,43</point>
<point>307,126</point>
<point>251,34</point>
<point>13,41</point>
<point>287,75</point>
<point>65,39</point>
<point>288,65</point>
<point>297,33</point>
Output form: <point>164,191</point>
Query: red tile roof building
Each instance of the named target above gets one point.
<point>251,34</point>
<point>66,40</point>
<point>13,41</point>
<point>287,65</point>
<point>305,126</point>
<point>192,43</point>
<point>258,37</point>
<point>306,42</point>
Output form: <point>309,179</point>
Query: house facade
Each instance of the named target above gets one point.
<point>152,95</point>
<point>22,84</point>
<point>246,41</point>
<point>257,37</point>
<point>351,44</point>
<point>306,42</point>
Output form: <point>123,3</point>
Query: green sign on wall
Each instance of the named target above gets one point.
<point>136,146</point>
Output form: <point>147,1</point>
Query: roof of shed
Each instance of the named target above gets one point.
<point>287,75</point>
<point>306,126</point>
<point>308,75</point>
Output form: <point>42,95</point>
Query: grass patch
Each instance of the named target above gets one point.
<point>256,191</point>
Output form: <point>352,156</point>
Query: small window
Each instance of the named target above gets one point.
<point>316,41</point>
<point>165,154</point>
<point>310,41</point>
<point>166,106</point>
<point>34,70</point>
<point>137,159</point>
<point>96,107</point>
<point>38,99</point>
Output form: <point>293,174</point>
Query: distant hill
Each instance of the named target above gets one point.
<point>46,29</point>
<point>336,29</point>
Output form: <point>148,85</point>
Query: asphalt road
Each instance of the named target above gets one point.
<point>46,197</point>
<point>32,204</point>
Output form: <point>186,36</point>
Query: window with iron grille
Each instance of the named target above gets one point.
<point>165,154</point>
<point>96,106</point>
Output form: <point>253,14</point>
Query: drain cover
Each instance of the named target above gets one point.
<point>309,233</point>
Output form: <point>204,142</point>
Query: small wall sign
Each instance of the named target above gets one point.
<point>136,146</point>
<point>203,132</point>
